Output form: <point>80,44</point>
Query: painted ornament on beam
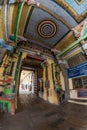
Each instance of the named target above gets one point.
<point>47,28</point>
<point>79,1</point>
<point>27,1</point>
<point>30,2</point>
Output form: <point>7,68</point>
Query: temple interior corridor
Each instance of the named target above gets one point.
<point>43,64</point>
<point>36,114</point>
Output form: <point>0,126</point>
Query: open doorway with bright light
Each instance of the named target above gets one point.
<point>31,79</point>
<point>26,85</point>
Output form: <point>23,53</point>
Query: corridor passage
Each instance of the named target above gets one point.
<point>35,114</point>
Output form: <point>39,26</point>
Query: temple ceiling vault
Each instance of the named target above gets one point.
<point>42,22</point>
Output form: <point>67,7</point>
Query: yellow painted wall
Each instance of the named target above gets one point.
<point>17,82</point>
<point>62,81</point>
<point>2,69</point>
<point>12,15</point>
<point>70,84</point>
<point>23,19</point>
<point>12,20</point>
<point>23,56</point>
<point>52,98</point>
<point>1,26</point>
<point>6,61</point>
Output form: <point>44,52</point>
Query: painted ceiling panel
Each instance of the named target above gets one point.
<point>56,8</point>
<point>5,46</point>
<point>38,16</point>
<point>78,8</point>
<point>48,23</point>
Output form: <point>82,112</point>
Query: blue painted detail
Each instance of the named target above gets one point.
<point>7,47</point>
<point>82,93</point>
<point>78,8</point>
<point>8,1</point>
<point>11,37</point>
<point>56,8</point>
<point>12,1</point>
<point>39,15</point>
<point>85,31</point>
<point>77,71</point>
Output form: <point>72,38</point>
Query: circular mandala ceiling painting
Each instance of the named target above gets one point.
<point>47,28</point>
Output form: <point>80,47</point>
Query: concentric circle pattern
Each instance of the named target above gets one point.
<point>47,28</point>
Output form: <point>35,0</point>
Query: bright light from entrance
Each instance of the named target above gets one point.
<point>26,82</point>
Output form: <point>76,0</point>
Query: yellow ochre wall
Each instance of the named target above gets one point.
<point>3,79</point>
<point>52,98</point>
<point>1,26</point>
<point>17,82</point>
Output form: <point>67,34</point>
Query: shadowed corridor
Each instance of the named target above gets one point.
<point>36,114</point>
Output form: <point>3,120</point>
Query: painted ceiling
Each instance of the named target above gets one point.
<point>41,22</point>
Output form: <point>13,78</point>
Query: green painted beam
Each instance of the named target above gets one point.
<point>73,45</point>
<point>53,77</point>
<point>29,16</point>
<point>19,10</point>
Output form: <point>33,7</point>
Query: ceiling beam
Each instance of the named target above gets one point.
<point>19,11</point>
<point>73,45</point>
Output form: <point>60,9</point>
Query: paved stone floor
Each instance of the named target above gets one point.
<point>36,114</point>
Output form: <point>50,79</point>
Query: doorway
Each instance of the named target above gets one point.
<point>26,85</point>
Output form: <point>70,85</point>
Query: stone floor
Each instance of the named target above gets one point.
<point>36,114</point>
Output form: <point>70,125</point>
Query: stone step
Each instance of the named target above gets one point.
<point>78,101</point>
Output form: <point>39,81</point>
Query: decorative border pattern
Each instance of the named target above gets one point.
<point>79,1</point>
<point>47,28</point>
<point>71,11</point>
